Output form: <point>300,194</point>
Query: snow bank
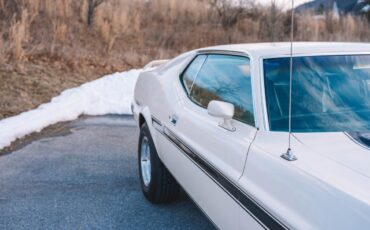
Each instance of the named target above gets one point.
<point>111,94</point>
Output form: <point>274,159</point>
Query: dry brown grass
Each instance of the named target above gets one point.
<point>155,28</point>
<point>83,11</point>
<point>60,30</point>
<point>49,42</point>
<point>2,49</point>
<point>346,28</point>
<point>19,35</point>
<point>112,20</point>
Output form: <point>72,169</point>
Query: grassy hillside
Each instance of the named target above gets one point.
<point>47,46</point>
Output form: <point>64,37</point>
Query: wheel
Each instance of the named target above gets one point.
<point>157,183</point>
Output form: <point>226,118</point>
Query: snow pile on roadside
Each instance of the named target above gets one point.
<point>111,94</point>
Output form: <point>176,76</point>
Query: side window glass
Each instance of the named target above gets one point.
<point>226,78</point>
<point>191,72</point>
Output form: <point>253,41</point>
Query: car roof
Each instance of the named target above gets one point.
<point>299,48</point>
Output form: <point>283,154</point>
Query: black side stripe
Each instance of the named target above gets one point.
<point>262,216</point>
<point>156,121</point>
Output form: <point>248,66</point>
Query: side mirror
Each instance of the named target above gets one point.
<point>222,110</point>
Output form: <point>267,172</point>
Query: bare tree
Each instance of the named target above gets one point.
<point>274,21</point>
<point>91,10</point>
<point>230,12</point>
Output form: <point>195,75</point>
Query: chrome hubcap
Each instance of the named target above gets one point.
<point>146,167</point>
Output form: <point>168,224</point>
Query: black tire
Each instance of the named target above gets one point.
<point>161,187</point>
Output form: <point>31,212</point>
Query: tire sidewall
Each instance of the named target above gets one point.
<point>150,188</point>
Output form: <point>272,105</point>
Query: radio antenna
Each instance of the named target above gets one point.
<point>289,156</point>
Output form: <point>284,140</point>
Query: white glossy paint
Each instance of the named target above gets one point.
<point>328,187</point>
<point>223,110</point>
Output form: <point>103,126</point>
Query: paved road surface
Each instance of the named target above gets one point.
<point>85,177</point>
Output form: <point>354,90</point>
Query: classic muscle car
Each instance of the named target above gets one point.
<point>215,122</point>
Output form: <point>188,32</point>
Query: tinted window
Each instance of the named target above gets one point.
<point>225,78</point>
<point>190,73</point>
<point>329,93</point>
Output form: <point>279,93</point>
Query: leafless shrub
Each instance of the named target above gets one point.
<point>112,21</point>
<point>274,22</point>
<point>229,12</point>
<point>19,34</point>
<point>33,8</point>
<point>2,5</point>
<point>92,5</point>
<point>61,9</point>
<point>2,49</point>
<point>148,29</point>
<point>59,30</point>
<point>84,11</point>
<point>308,29</point>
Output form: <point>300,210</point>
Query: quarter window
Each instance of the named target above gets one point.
<point>225,78</point>
<point>190,73</point>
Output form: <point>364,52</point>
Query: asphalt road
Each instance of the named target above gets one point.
<point>85,177</point>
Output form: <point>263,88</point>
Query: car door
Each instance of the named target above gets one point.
<point>219,152</point>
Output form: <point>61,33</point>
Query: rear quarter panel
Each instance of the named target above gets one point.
<point>158,91</point>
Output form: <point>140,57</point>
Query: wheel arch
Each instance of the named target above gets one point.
<point>145,116</point>
<point>141,119</point>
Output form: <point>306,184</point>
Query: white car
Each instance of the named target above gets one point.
<point>215,121</point>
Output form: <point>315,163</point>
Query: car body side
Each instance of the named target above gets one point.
<point>314,192</point>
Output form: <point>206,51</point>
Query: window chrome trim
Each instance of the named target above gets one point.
<point>316,54</point>
<point>196,75</point>
<point>355,140</point>
<point>229,53</point>
<point>221,52</point>
<point>265,118</point>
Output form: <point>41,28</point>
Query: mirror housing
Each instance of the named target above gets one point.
<point>222,110</point>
